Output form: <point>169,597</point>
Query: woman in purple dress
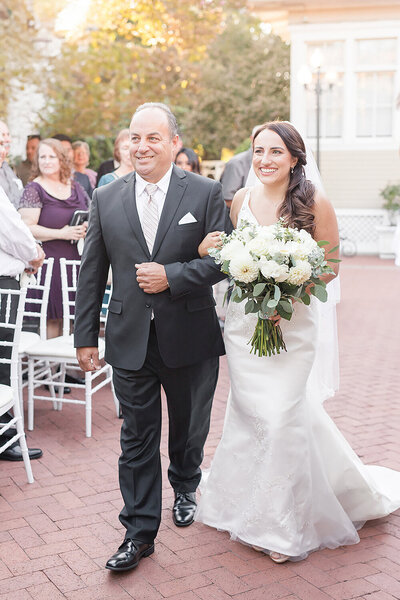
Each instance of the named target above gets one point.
<point>47,206</point>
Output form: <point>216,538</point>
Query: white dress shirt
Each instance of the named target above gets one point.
<point>159,197</point>
<point>17,244</point>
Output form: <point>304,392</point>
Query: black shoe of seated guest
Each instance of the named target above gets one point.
<point>14,453</point>
<point>184,508</point>
<point>72,379</point>
<point>129,555</point>
<point>67,390</point>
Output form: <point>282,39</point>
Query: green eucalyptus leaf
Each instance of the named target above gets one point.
<point>333,249</point>
<point>320,292</point>
<point>235,296</point>
<point>258,289</point>
<point>285,314</point>
<point>277,292</point>
<point>334,260</point>
<point>322,243</point>
<point>272,303</point>
<point>264,303</point>
<point>306,299</point>
<point>225,266</point>
<point>249,307</point>
<point>286,305</point>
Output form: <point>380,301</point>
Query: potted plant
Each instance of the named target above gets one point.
<point>391,197</point>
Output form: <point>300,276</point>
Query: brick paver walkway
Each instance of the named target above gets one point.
<point>56,534</point>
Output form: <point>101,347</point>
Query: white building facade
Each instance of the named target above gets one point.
<point>358,43</point>
<point>359,121</point>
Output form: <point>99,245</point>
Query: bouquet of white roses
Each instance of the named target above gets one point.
<point>271,267</point>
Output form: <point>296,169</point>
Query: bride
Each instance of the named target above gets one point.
<point>283,479</point>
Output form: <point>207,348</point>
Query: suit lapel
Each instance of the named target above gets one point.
<point>128,197</point>
<point>173,199</point>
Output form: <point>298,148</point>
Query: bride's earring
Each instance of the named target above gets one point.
<point>291,170</point>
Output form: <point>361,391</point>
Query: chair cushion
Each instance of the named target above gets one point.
<point>59,347</point>
<point>28,338</point>
<point>6,395</point>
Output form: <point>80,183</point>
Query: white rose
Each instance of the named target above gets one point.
<point>231,249</point>
<point>279,247</point>
<point>307,240</point>
<point>267,232</point>
<point>298,250</point>
<point>258,245</point>
<point>246,233</point>
<point>303,235</point>
<point>270,268</point>
<point>244,268</point>
<point>300,273</point>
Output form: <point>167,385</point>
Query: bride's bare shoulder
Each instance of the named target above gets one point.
<point>236,205</point>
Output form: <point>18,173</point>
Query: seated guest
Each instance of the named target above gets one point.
<point>23,169</point>
<point>81,161</point>
<point>188,160</point>
<point>122,155</point>
<point>10,183</point>
<point>18,252</point>
<point>81,178</point>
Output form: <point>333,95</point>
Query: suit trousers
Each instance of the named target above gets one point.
<point>189,391</point>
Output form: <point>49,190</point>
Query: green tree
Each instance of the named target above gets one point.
<point>131,53</point>
<point>209,60</point>
<point>17,48</point>
<point>244,82</point>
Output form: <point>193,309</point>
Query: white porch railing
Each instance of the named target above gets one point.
<point>359,225</point>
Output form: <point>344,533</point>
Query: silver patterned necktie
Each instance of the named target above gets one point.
<point>150,216</point>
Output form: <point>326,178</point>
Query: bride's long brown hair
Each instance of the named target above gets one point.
<point>296,209</point>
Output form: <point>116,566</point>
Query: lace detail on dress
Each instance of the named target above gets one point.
<point>31,197</point>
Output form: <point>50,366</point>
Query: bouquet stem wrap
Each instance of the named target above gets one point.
<point>267,338</point>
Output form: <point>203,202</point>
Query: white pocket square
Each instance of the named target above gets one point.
<point>188,218</point>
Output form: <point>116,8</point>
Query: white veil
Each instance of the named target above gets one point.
<point>323,380</point>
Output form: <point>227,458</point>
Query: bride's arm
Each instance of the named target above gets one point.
<point>326,228</point>
<point>212,239</point>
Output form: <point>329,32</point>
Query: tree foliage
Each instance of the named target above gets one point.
<point>17,53</point>
<point>208,60</point>
<point>133,52</point>
<point>244,82</point>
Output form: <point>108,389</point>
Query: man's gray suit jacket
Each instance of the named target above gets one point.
<point>184,315</point>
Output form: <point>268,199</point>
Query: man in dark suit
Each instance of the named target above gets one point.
<point>162,328</point>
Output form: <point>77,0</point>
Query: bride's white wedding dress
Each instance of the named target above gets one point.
<point>283,477</point>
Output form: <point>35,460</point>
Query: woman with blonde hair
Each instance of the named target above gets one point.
<point>122,155</point>
<point>81,161</point>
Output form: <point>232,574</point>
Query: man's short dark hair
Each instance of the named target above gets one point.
<point>62,137</point>
<point>34,136</point>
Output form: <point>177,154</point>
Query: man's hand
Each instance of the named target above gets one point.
<point>88,358</point>
<point>37,262</point>
<point>151,277</point>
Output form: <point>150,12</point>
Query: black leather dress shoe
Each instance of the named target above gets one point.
<point>67,390</point>
<point>14,453</point>
<point>128,555</point>
<point>72,379</point>
<point>184,508</point>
